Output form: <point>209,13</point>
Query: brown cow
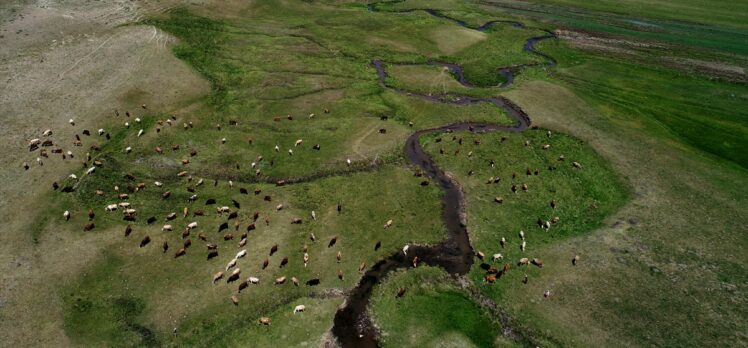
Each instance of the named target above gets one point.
<point>165,246</point>
<point>145,241</point>
<point>179,253</point>
<point>273,249</point>
<point>89,226</point>
<point>128,230</point>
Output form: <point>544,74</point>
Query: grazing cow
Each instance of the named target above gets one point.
<point>575,260</point>
<point>91,214</point>
<point>295,281</point>
<point>400,293</point>
<point>66,215</point>
<point>362,267</point>
<point>186,233</point>
<point>312,237</point>
<point>299,308</point>
<point>339,256</point>
<point>522,235</point>
<point>265,321</point>
<point>212,246</point>
<point>489,278</point>
<point>251,227</point>
<point>388,224</point>
<point>234,275</point>
<point>166,194</point>
<point>280,280</point>
<point>145,241</point>
<point>171,216</point>
<point>523,262</point>
<point>340,274</point>
<point>228,236</point>
<point>576,164</point>
<point>253,280</point>
<point>187,242</point>
<point>265,263</point>
<point>378,245</point>
<point>128,230</point>
<point>180,252</point>
<point>525,279</point>
<point>273,249</point>
<point>499,200</point>
<point>332,241</point>
<point>537,262</point>
<point>502,242</point>
<point>192,225</point>
<point>243,285</point>
<point>480,255</point>
<point>279,207</point>
<point>165,246</point>
<point>212,254</point>
<point>89,226</point>
<point>296,221</point>
<point>234,300</point>
<point>218,276</point>
<point>167,228</point>
<point>522,246</point>
<point>505,269</point>
<point>524,187</point>
<point>243,191</point>
<point>306,259</point>
<point>284,262</point>
<point>497,257</point>
<point>231,264</point>
<point>241,254</point>
<point>547,294</point>
<point>243,242</point>
<point>312,282</point>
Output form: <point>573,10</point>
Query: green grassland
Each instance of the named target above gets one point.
<point>434,311</point>
<point>662,147</point>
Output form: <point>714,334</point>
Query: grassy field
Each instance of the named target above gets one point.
<point>655,210</point>
<point>434,311</point>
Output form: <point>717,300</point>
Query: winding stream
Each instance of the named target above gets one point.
<point>352,326</point>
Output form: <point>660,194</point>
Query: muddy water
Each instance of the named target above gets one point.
<point>352,326</point>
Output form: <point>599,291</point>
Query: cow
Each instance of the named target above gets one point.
<point>241,254</point>
<point>91,213</point>
<point>312,282</point>
<point>171,216</point>
<point>400,293</point>
<point>231,264</point>
<point>212,254</point>
<point>187,242</point>
<point>228,236</point>
<point>273,249</point>
<point>265,321</point>
<point>489,278</point>
<point>284,262</point>
<point>234,300</point>
<point>281,280</point>
<point>523,261</point>
<point>332,242</point>
<point>234,275</point>
<point>89,226</point>
<point>497,257</point>
<point>218,276</point>
<point>180,252</point>
<point>388,224</point>
<point>167,228</point>
<point>243,285</point>
<point>295,281</point>
<point>128,230</point>
<point>339,256</point>
<point>299,308</point>
<point>575,260</point>
<point>296,221</point>
<point>537,262</point>
<point>253,280</point>
<point>265,263</point>
<point>145,241</point>
<point>378,245</point>
<point>340,274</point>
<point>306,259</point>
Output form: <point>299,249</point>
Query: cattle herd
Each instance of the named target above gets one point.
<point>232,272</point>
